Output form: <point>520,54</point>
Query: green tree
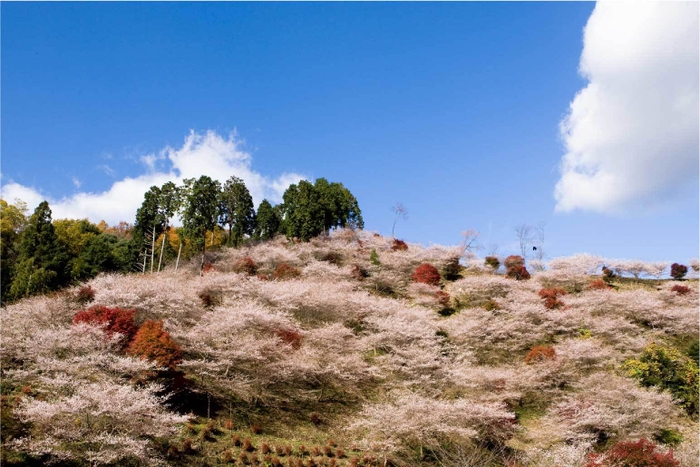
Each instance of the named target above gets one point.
<point>201,209</point>
<point>42,262</point>
<point>97,256</point>
<point>236,210</point>
<point>303,212</point>
<point>339,205</point>
<point>169,203</point>
<point>267,222</point>
<point>13,220</point>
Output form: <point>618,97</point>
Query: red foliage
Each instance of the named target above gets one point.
<point>246,266</point>
<point>641,453</point>
<point>154,343</point>
<point>285,271</point>
<point>443,298</point>
<point>85,294</point>
<point>514,260</point>
<point>289,336</point>
<point>427,274</point>
<point>399,245</point>
<point>112,319</point>
<point>599,284</point>
<point>518,273</point>
<point>551,300</point>
<point>540,353</point>
<point>208,267</point>
<point>680,289</point>
<point>678,271</point>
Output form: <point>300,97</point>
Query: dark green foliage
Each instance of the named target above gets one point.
<point>452,270</point>
<point>310,210</point>
<point>201,209</point>
<point>236,210</point>
<point>149,216</point>
<point>12,223</point>
<point>42,262</point>
<point>267,221</point>
<point>669,437</point>
<point>96,256</point>
<point>667,368</point>
<point>374,257</point>
<point>339,205</point>
<point>303,213</point>
<point>492,262</point>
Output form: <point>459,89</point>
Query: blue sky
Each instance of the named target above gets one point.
<point>453,109</point>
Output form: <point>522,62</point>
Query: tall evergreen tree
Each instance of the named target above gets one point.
<point>303,212</point>
<point>339,205</point>
<point>267,221</point>
<point>42,262</point>
<point>237,210</point>
<point>201,209</point>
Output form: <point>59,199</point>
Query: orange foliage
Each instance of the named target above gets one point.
<point>154,343</point>
<point>540,353</point>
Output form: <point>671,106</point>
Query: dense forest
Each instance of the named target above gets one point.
<point>40,254</point>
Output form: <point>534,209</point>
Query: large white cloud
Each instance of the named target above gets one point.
<point>631,135</point>
<point>201,154</point>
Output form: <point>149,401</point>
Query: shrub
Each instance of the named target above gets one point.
<point>332,257</point>
<point>208,267</point>
<point>246,266</point>
<point>550,295</point>
<point>641,453</point>
<point>680,289</point>
<point>678,271</point>
<point>491,305</point>
<point>315,419</point>
<point>358,272</point>
<point>540,353</point>
<point>256,428</point>
<point>374,257</point>
<point>328,451</point>
<point>514,260</point>
<point>236,440</point>
<point>289,336</point>
<point>85,295</point>
<point>315,451</point>
<point>451,271</point>
<point>153,343</point>
<point>339,453</point>
<point>398,245</point>
<point>112,319</point>
<point>427,274</point>
<point>668,437</point>
<point>265,448</point>
<point>492,262</point>
<point>443,298</point>
<point>210,298</point>
<point>518,273</point>
<point>228,424</point>
<point>667,368</point>
<point>247,445</point>
<point>599,284</point>
<point>285,271</point>
<point>608,274</point>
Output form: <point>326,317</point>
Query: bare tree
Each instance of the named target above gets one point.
<point>523,233</point>
<point>400,212</point>
<point>538,241</point>
<point>469,244</point>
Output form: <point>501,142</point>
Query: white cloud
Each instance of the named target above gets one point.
<point>631,135</point>
<point>202,154</point>
<point>76,182</point>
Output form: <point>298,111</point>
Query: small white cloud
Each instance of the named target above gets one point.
<point>631,135</point>
<point>76,182</point>
<point>107,169</point>
<point>201,154</point>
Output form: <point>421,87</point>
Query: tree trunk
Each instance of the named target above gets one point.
<point>162,246</point>
<point>153,245</point>
<point>145,257</point>
<point>177,263</point>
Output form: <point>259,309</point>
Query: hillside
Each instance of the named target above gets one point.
<point>340,358</point>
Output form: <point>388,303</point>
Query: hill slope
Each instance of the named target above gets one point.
<point>340,358</point>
